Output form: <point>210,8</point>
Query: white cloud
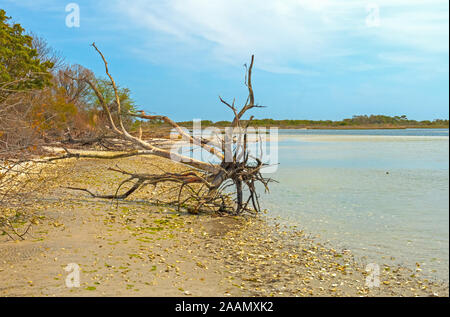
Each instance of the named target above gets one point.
<point>286,35</point>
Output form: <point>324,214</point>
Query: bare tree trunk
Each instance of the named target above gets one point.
<point>237,167</point>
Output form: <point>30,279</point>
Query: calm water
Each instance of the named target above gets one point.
<point>384,194</point>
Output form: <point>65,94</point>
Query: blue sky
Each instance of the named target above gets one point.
<point>314,59</point>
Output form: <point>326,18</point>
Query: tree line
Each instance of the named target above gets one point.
<point>39,100</point>
<point>357,121</point>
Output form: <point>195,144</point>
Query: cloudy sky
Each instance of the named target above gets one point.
<point>314,59</point>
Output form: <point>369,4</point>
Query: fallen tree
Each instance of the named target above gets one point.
<point>227,186</point>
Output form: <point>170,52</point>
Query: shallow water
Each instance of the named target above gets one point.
<point>384,194</point>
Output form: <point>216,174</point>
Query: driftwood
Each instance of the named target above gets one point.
<point>225,187</point>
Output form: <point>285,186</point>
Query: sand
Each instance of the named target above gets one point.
<point>138,248</point>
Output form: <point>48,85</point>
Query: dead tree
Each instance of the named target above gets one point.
<point>228,186</point>
<point>20,179</point>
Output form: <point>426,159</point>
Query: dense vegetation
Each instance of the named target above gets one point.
<point>20,66</point>
<point>39,100</point>
<point>372,121</point>
<point>41,103</point>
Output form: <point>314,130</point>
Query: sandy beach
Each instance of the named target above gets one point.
<point>138,248</point>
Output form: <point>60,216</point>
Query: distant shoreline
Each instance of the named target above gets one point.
<point>360,122</point>
<point>367,127</point>
<point>188,124</point>
<point>355,128</point>
<point>163,130</point>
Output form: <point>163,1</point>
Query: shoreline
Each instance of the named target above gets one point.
<point>327,127</point>
<point>359,256</point>
<point>141,249</point>
<point>161,131</point>
<point>359,128</point>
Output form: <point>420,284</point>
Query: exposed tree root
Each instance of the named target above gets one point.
<point>228,187</point>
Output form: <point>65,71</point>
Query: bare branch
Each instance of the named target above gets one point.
<point>207,185</point>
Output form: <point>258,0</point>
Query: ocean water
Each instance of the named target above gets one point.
<point>384,194</point>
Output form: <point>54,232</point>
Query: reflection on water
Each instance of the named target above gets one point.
<point>380,193</point>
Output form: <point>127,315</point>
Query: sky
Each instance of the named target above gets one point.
<point>314,59</point>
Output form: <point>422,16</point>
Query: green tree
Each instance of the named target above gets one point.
<point>20,66</point>
<point>106,89</point>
